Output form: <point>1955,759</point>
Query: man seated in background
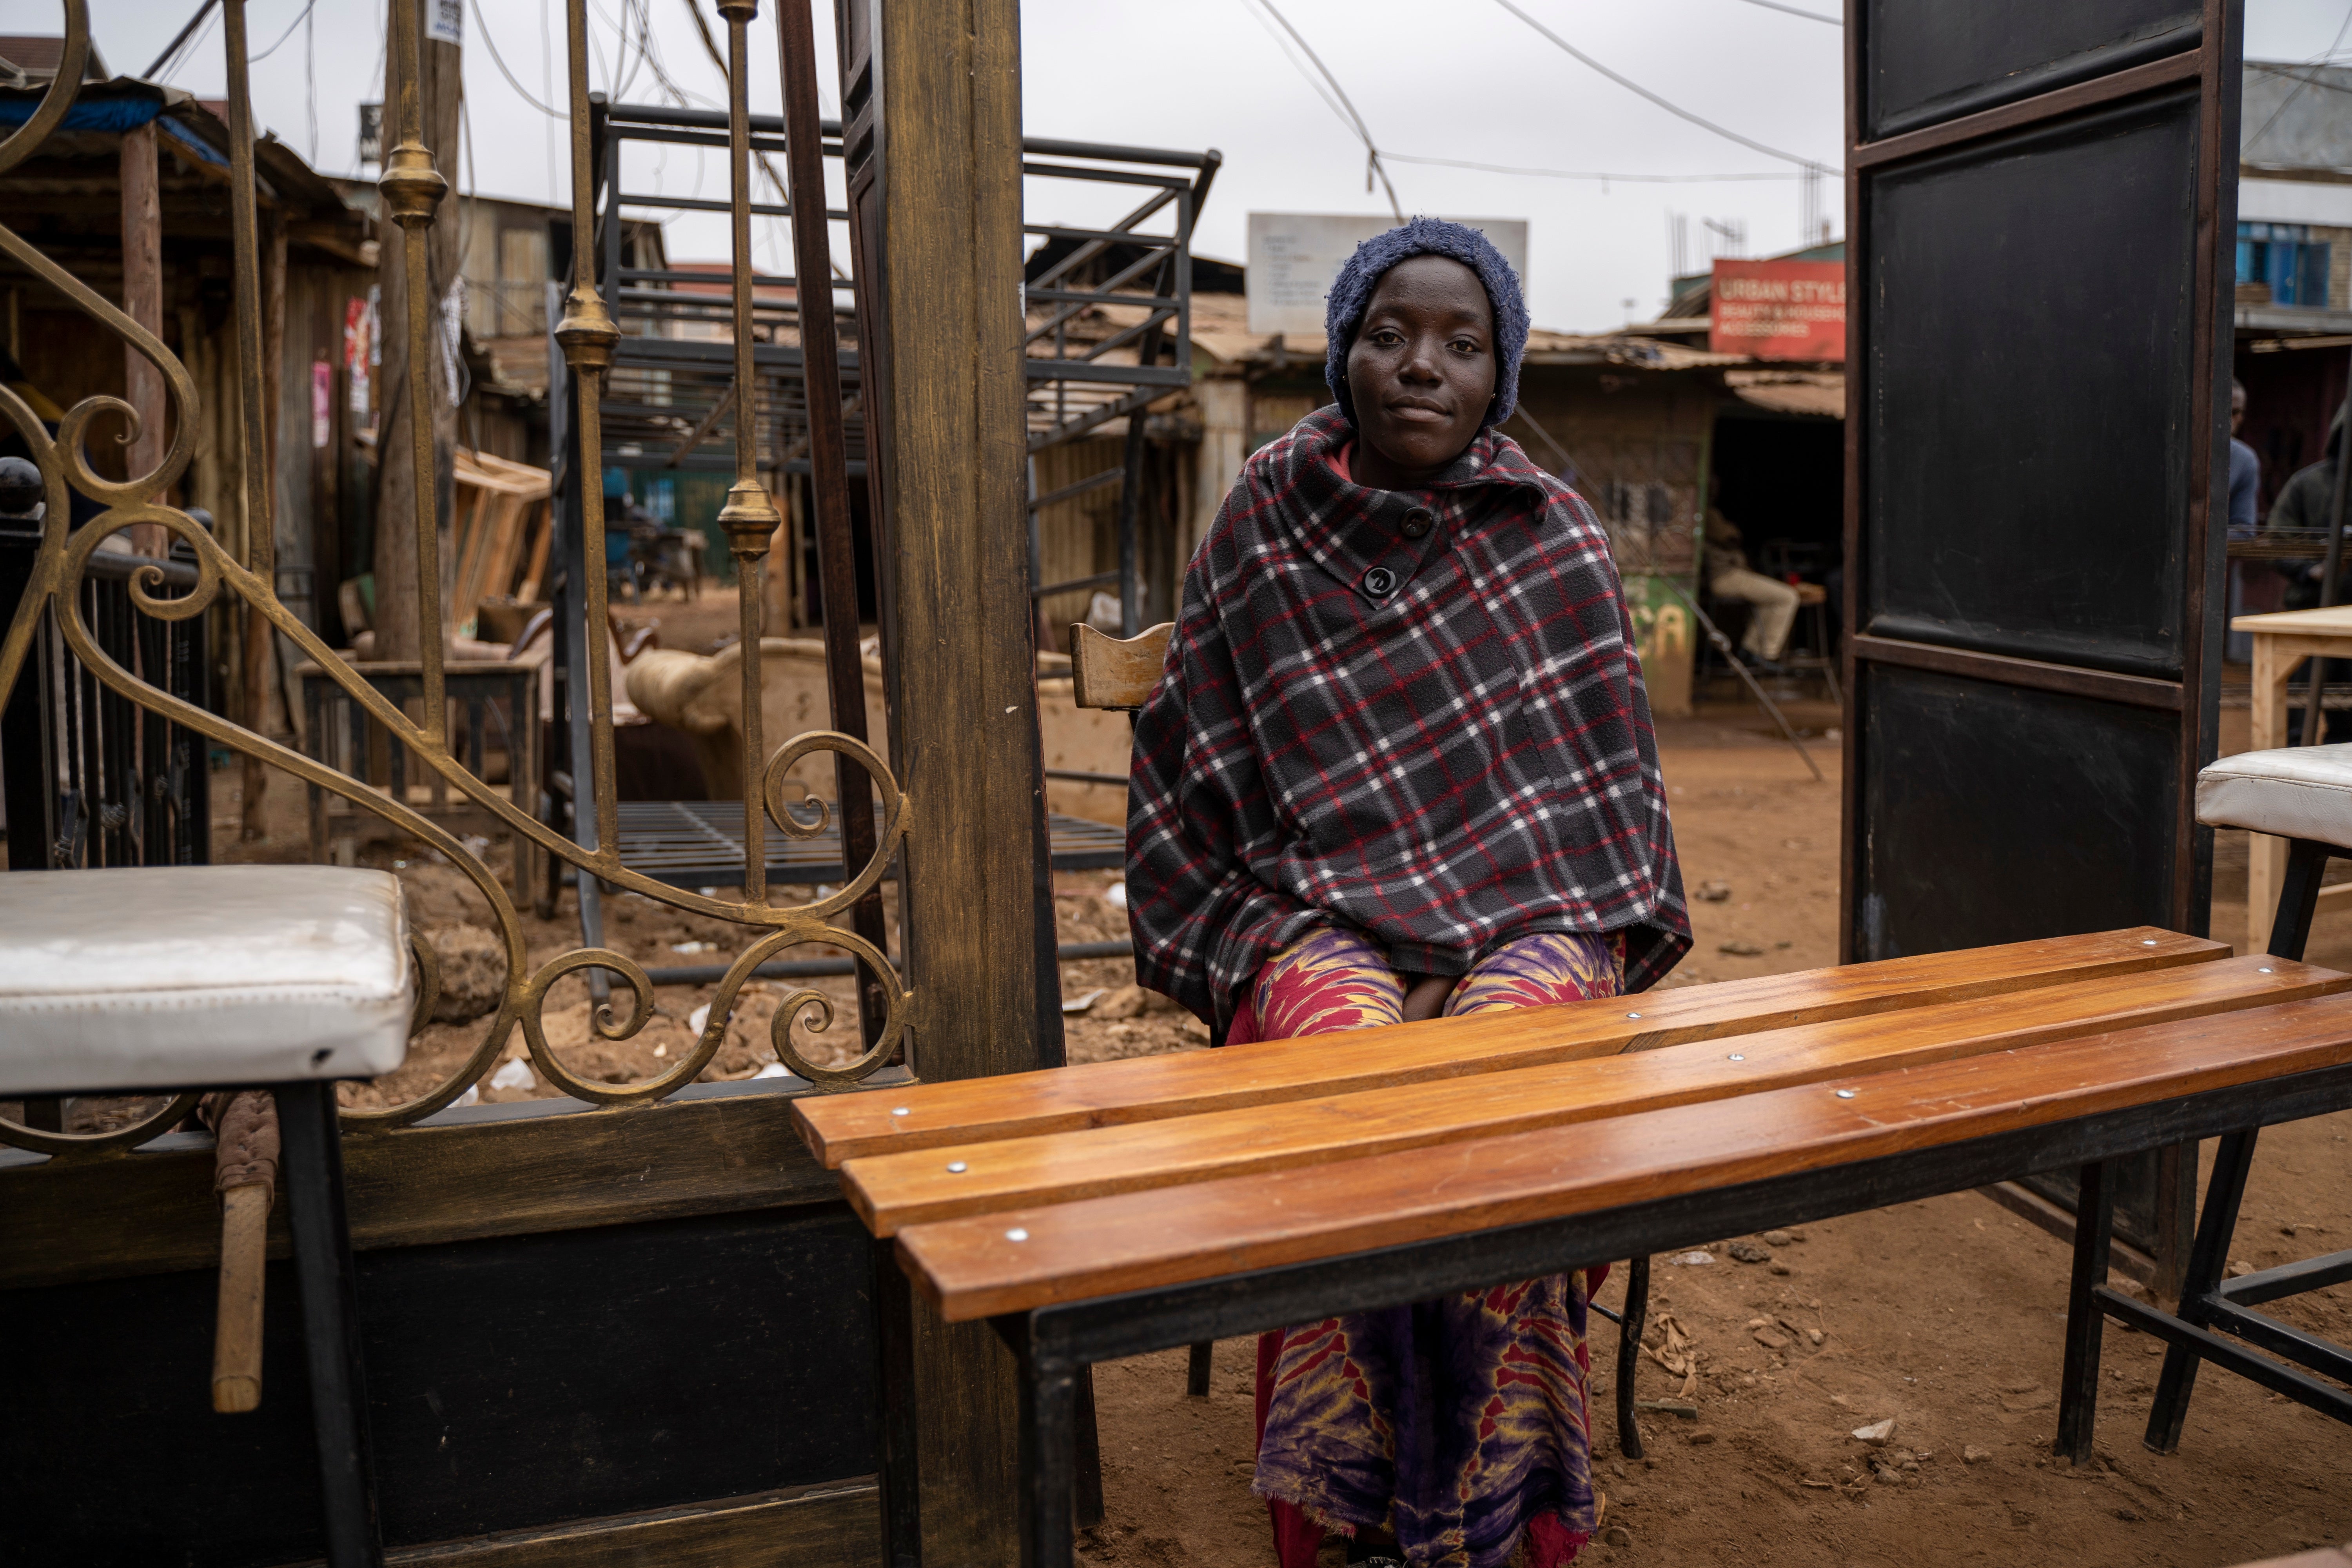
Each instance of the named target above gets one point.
<point>1728,577</point>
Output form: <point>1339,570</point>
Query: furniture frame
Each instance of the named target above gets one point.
<point>2209,1302</point>
<point>2283,640</point>
<point>475,691</point>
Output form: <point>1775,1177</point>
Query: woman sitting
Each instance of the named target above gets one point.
<point>1400,764</point>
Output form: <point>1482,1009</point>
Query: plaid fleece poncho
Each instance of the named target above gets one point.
<point>1417,713</point>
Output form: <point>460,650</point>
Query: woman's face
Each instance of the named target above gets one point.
<point>1421,372</point>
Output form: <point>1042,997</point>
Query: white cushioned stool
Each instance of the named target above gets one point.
<point>2303,794</point>
<point>187,977</point>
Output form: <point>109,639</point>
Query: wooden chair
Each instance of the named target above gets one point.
<point>180,978</point>
<point>1111,672</point>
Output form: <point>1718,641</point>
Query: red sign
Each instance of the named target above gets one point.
<point>1779,309</point>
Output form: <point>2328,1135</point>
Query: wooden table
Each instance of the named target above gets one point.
<point>2283,640</point>
<point>1119,1207</point>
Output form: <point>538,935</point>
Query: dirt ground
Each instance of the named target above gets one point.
<point>1943,1316</point>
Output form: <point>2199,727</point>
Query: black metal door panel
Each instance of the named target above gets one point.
<point>1948,762</point>
<point>2041,199</point>
<point>2032,301</point>
<point>1933,60</point>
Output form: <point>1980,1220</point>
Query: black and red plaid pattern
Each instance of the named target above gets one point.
<point>1417,713</point>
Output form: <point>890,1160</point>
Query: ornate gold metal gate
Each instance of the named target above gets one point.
<point>934,157</point>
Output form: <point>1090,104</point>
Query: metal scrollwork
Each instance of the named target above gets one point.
<point>412,189</point>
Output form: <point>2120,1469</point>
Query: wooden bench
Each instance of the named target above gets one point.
<point>1110,1209</point>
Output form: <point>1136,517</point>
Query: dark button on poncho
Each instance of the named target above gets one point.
<point>1462,758</point>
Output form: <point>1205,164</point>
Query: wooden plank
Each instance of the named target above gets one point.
<point>835,1526</point>
<point>975,1269</point>
<point>498,567</point>
<point>1103,1094</point>
<point>536,572</point>
<point>1106,672</point>
<point>553,1165</point>
<point>891,1192</point>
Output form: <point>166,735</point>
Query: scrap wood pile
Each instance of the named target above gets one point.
<point>502,532</point>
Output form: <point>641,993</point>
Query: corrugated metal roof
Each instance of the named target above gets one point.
<point>1815,394</point>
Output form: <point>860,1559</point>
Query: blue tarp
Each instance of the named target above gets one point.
<point>115,114</point>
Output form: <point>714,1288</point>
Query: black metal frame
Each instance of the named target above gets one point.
<point>91,778</point>
<point>1053,1345</point>
<point>2207,1301</point>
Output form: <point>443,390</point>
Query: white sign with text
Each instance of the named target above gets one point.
<point>1294,257</point>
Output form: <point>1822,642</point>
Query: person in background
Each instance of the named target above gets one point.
<point>2246,470</point>
<point>2305,504</point>
<point>1729,577</point>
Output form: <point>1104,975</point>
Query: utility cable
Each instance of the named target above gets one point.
<point>482,25</point>
<point>1581,175</point>
<point>2302,81</point>
<point>179,40</point>
<point>1677,110</point>
<point>1372,149</point>
<point>1793,11</point>
<point>284,36</point>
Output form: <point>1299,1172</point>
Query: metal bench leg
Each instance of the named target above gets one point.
<point>1087,1474</point>
<point>2078,1395</point>
<point>1196,1369</point>
<point>894,1312</point>
<point>1629,1353</point>
<point>1049,1400</point>
<point>2208,1255</point>
<point>2306,862</point>
<point>311,1147</point>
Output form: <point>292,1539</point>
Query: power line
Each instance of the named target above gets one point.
<point>285,35</point>
<point>1668,105</point>
<point>1371,151</point>
<point>2302,81</point>
<point>179,40</point>
<point>1793,11</point>
<point>482,25</point>
<point>1577,174</point>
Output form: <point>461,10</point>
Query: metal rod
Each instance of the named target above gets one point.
<point>2078,1382</point>
<point>1722,645</point>
<point>828,448</point>
<point>312,1149</point>
<point>750,517</point>
<point>812,968</point>
<point>588,337</point>
<point>412,190</point>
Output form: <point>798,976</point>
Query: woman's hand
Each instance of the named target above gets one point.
<point>1425,998</point>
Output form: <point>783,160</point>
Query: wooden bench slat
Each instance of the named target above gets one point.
<point>893,1190</point>
<point>1100,1247</point>
<point>844,1127</point>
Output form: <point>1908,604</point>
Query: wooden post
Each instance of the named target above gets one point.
<point>934,99</point>
<point>142,301</point>
<point>260,640</point>
<point>397,633</point>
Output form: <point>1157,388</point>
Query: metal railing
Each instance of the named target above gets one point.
<point>126,624</point>
<point>90,778</point>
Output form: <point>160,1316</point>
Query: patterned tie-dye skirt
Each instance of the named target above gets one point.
<point>1459,1425</point>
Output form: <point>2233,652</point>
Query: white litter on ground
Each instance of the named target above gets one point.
<point>1692,1259</point>
<point>516,1074</point>
<point>698,1018</point>
<point>1080,1004</point>
<point>1116,895</point>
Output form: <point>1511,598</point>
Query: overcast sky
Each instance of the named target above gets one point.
<point>1433,78</point>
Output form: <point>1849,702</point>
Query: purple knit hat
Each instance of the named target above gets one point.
<point>1352,292</point>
